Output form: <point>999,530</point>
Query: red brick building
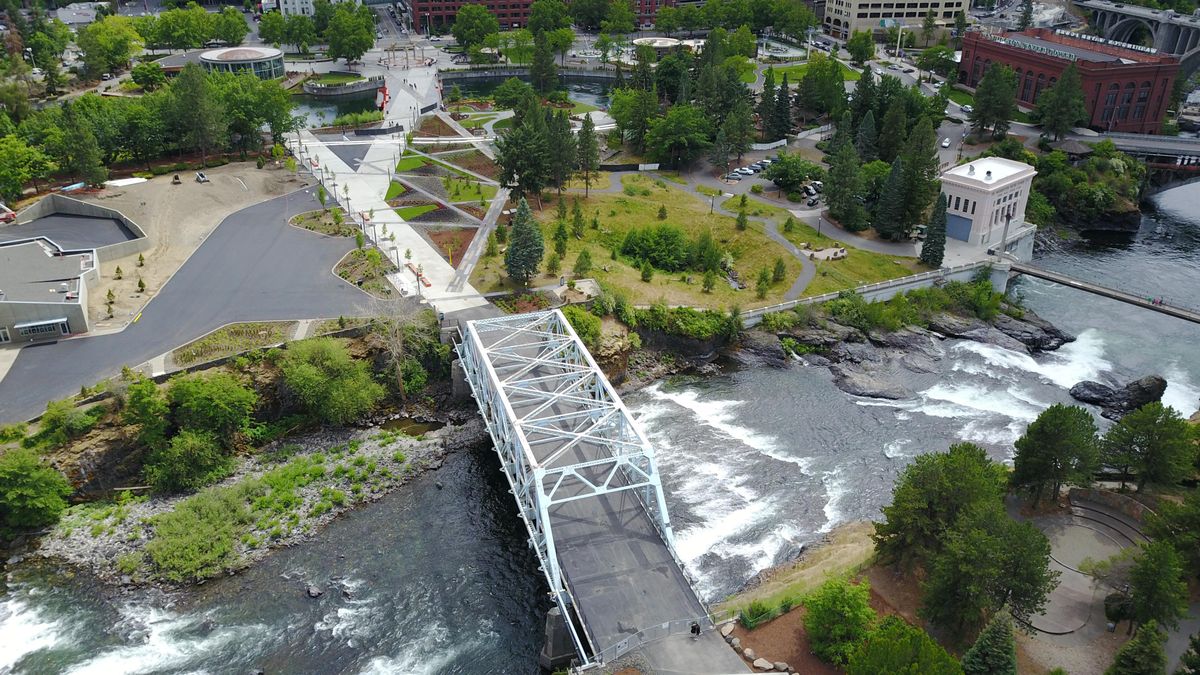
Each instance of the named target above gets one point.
<point>510,13</point>
<point>1126,88</point>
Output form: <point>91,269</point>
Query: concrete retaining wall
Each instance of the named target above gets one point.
<point>1113,500</point>
<point>885,290</point>
<point>369,84</point>
<point>57,203</point>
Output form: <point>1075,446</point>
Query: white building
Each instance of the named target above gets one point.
<point>305,7</point>
<point>985,196</point>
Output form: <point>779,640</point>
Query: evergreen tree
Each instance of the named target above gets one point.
<point>894,130</point>
<point>583,263</point>
<point>933,251</point>
<point>739,128</point>
<point>781,116</point>
<point>587,149</point>
<point>766,101</point>
<point>862,99</point>
<point>921,171</point>
<point>719,153</point>
<point>1154,442</point>
<point>526,248</point>
<point>83,152</point>
<point>553,263</point>
<point>929,27</point>
<point>960,28</point>
<point>779,273</point>
<point>763,283</point>
<point>1160,594</point>
<point>995,101</point>
<point>560,239</point>
<point>1144,654</point>
<point>843,134</point>
<point>994,651</point>
<point>543,73</point>
<point>561,147</point>
<point>1061,107</point>
<point>842,190</point>
<point>1058,447</point>
<point>889,209</point>
<point>866,140</point>
<point>647,271</point>
<point>1026,19</point>
<point>577,224</point>
<point>521,154</point>
<point>741,222</point>
<point>710,281</point>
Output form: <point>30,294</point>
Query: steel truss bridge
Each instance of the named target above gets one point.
<point>585,481</point>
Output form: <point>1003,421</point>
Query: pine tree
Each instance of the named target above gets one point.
<point>553,263</point>
<point>561,146</point>
<point>867,139</point>
<point>83,151</point>
<point>576,219</point>
<point>994,651</point>
<point>587,150</point>
<point>741,221</point>
<point>739,128</point>
<point>789,225</point>
<point>766,101</point>
<point>647,271</point>
<point>843,186</point>
<point>1144,654</point>
<point>894,130</point>
<point>843,134</point>
<point>889,210</point>
<point>1160,594</point>
<point>763,284</point>
<point>779,272</point>
<point>1026,19</point>
<point>921,171</point>
<point>1056,448</point>
<point>543,73</point>
<point>560,239</point>
<point>719,153</point>
<point>933,251</point>
<point>710,282</point>
<point>583,263</point>
<point>862,99</point>
<point>781,116</point>
<point>525,252</point>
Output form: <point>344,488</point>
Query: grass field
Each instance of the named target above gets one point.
<point>796,73</point>
<point>333,79</point>
<point>600,181</point>
<point>409,212</point>
<point>503,124</point>
<point>461,191</point>
<point>581,107</point>
<point>476,121</point>
<point>394,190</point>
<point>411,162</point>
<point>752,250</point>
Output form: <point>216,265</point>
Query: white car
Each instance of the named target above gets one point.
<point>945,142</point>
<point>435,38</point>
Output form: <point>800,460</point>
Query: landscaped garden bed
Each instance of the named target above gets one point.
<point>474,161</point>
<point>436,127</point>
<point>368,268</point>
<point>325,222</point>
<point>232,339</point>
<point>451,242</point>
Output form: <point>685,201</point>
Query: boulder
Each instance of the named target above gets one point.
<point>781,666</point>
<point>952,325</point>
<point>1033,331</point>
<point>757,348</point>
<point>314,592</point>
<point>749,654</point>
<point>826,336</point>
<point>727,629</point>
<point>910,339</point>
<point>860,382</point>
<point>736,643</point>
<point>763,664</point>
<point>992,336</point>
<point>1116,402</point>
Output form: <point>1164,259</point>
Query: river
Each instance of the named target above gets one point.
<point>757,463</point>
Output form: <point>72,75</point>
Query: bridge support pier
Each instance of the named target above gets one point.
<point>558,651</point>
<point>459,387</point>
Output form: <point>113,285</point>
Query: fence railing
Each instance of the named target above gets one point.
<point>751,317</point>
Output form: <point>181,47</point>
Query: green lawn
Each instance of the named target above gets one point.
<point>751,249</point>
<point>581,107</point>
<point>410,212</point>
<point>411,162</point>
<point>461,192</point>
<point>748,77</point>
<point>503,124</point>
<point>394,190</point>
<point>332,79</point>
<point>796,73</point>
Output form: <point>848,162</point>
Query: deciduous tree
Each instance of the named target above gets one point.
<point>861,46</point>
<point>1145,654</point>
<point>1154,442</point>
<point>1159,592</point>
<point>472,25</point>
<point>1056,448</point>
<point>896,646</point>
<point>838,618</point>
<point>1061,107</point>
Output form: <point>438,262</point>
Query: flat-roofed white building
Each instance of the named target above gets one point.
<point>985,196</point>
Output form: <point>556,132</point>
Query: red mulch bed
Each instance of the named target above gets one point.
<point>473,209</point>
<point>436,127</point>
<point>784,639</point>
<point>462,235</point>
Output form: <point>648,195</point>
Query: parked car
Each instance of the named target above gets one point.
<point>893,67</point>
<point>435,38</point>
<point>909,71</point>
<point>818,186</point>
<point>106,77</point>
<point>746,171</point>
<point>945,142</point>
<point>733,175</point>
<point>967,109</point>
<point>767,162</point>
<point>200,177</point>
<point>810,191</point>
<point>814,201</point>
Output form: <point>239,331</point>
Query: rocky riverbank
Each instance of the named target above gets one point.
<point>347,468</point>
<point>876,363</point>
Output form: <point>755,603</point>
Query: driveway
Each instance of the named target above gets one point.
<point>253,267</point>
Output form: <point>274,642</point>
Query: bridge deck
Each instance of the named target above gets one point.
<point>1128,298</point>
<point>582,463</point>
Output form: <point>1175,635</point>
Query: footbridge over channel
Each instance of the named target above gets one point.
<point>588,488</point>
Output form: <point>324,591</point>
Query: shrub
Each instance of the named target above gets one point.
<point>705,324</point>
<point>414,376</point>
<point>196,539</point>
<point>898,647</point>
<point>754,614</point>
<point>647,271</point>
<point>327,382</point>
<point>757,189</point>
<point>586,324</point>
<point>62,422</point>
<point>146,409</point>
<point>31,493</point>
<point>839,618</point>
<point>191,460</point>
<point>215,403</point>
<point>355,119</point>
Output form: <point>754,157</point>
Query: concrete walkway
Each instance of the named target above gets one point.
<point>853,240</point>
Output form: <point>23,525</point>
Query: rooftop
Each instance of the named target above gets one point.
<point>987,171</point>
<point>1077,47</point>
<point>38,271</point>
<point>237,54</point>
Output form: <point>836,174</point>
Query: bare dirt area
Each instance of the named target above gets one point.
<point>436,127</point>
<point>451,242</point>
<point>473,160</point>
<point>177,219</point>
<point>784,639</point>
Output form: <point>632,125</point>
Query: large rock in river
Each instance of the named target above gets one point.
<point>1116,402</point>
<point>1033,331</point>
<point>757,348</point>
<point>858,382</point>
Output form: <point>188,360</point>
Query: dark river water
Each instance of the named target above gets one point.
<point>757,463</point>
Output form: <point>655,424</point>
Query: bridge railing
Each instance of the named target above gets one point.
<point>657,632</point>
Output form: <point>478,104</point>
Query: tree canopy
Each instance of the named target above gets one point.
<point>1058,447</point>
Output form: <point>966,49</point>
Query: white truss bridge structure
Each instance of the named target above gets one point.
<point>585,481</point>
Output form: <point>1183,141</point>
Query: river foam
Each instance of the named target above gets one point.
<point>25,631</point>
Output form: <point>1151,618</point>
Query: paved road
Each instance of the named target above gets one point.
<point>252,267</point>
